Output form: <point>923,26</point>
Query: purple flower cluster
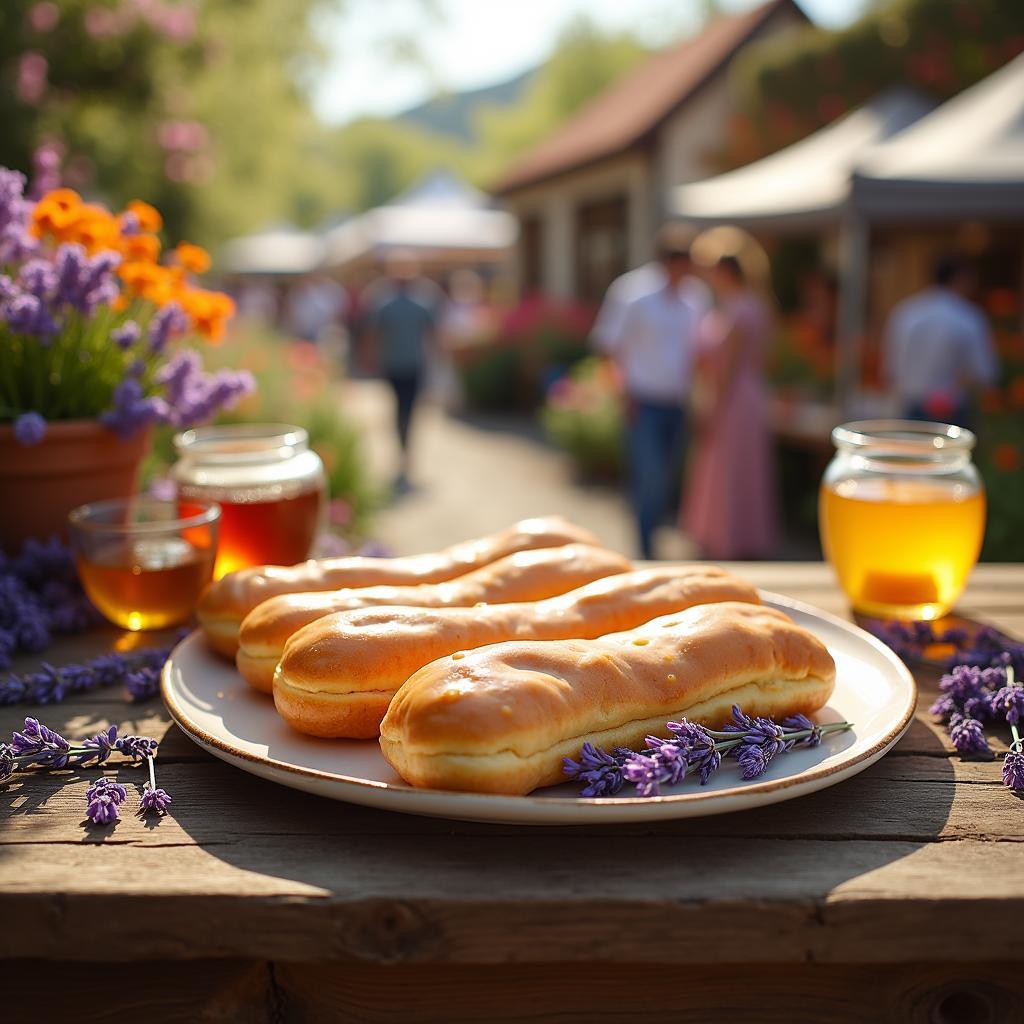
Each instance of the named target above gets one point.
<point>102,800</point>
<point>693,749</point>
<point>29,428</point>
<point>986,648</point>
<point>192,396</point>
<point>39,595</point>
<point>137,671</point>
<point>47,287</point>
<point>15,241</point>
<point>132,409</point>
<point>36,746</point>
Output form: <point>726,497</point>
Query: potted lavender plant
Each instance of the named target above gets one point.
<point>94,331</point>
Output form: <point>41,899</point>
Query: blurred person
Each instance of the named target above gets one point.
<point>464,320</point>
<point>730,501</point>
<point>643,280</point>
<point>937,347</point>
<point>648,326</point>
<point>403,309</point>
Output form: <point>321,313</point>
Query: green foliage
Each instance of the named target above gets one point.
<point>584,416</point>
<point>584,62</point>
<point>937,46</point>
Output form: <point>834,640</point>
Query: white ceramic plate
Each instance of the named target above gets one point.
<point>220,712</point>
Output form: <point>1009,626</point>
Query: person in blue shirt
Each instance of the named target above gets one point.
<point>402,319</point>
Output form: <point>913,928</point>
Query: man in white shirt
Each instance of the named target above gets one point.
<point>648,325</point>
<point>938,348</point>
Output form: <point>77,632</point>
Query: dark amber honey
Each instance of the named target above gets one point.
<point>146,584</point>
<point>278,532</point>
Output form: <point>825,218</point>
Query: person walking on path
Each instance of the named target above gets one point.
<point>730,501</point>
<point>402,315</point>
<point>648,326</point>
<point>937,348</point>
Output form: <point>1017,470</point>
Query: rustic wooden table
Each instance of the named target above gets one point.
<point>896,896</point>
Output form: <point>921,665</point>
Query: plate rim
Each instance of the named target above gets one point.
<point>812,777</point>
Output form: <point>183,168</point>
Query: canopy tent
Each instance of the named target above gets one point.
<point>438,217</point>
<point>965,160</point>
<point>278,251</point>
<point>805,185</point>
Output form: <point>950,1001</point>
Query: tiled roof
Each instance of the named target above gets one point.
<point>636,104</point>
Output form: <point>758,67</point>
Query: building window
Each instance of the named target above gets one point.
<point>601,246</point>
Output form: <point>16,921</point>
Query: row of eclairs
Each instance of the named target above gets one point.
<point>480,667</point>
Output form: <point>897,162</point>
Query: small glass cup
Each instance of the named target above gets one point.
<point>902,516</point>
<point>144,561</point>
<point>270,486</point>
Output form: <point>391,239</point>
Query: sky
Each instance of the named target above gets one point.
<point>465,44</point>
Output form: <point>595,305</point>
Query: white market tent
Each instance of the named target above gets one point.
<point>439,216</point>
<point>965,160</point>
<point>805,185</point>
<point>888,161</point>
<point>278,251</point>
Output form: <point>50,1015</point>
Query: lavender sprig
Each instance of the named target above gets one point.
<point>153,799</point>
<point>753,742</point>
<point>138,671</point>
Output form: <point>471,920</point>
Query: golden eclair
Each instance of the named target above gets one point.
<point>501,719</point>
<point>225,602</point>
<point>337,675</point>
<point>524,576</point>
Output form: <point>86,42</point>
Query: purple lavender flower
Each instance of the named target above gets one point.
<point>28,314</point>
<point>154,800</point>
<point>131,409</point>
<point>98,748</point>
<point>47,686</point>
<point>968,737</point>
<point>7,762</point>
<point>102,799</point>
<point>84,282</point>
<point>955,636</point>
<point>601,771</point>
<point>38,278</point>
<point>126,335</point>
<point>167,321</point>
<point>702,754</point>
<point>752,758</point>
<point>29,428</point>
<point>1008,703</point>
<point>41,745</point>
<point>1013,770</point>
<point>138,748</point>
<point>143,683</point>
<point>15,241</point>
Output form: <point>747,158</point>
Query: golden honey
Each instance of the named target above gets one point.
<point>902,547</point>
<point>145,583</point>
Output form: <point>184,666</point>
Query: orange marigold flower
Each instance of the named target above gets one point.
<point>66,198</point>
<point>1006,457</point>
<point>148,216</point>
<point>140,248</point>
<point>193,258</point>
<point>209,311</point>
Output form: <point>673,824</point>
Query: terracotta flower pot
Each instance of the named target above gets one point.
<point>77,461</point>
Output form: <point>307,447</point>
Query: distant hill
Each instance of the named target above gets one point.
<point>452,113</point>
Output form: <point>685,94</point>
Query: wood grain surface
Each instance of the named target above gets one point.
<point>896,895</point>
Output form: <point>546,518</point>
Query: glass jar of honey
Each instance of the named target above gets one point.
<point>269,484</point>
<point>902,516</point>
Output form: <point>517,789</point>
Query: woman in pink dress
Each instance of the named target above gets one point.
<point>730,502</point>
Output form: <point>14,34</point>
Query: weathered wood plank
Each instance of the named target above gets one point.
<point>504,899</point>
<point>908,798</point>
<point>613,992</point>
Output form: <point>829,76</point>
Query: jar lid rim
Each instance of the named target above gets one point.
<point>909,437</point>
<point>83,517</point>
<point>210,439</point>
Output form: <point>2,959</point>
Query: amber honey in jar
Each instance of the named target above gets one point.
<point>143,562</point>
<point>269,484</point>
<point>902,516</point>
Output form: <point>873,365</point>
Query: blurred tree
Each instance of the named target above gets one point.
<point>584,62</point>
<point>192,105</point>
